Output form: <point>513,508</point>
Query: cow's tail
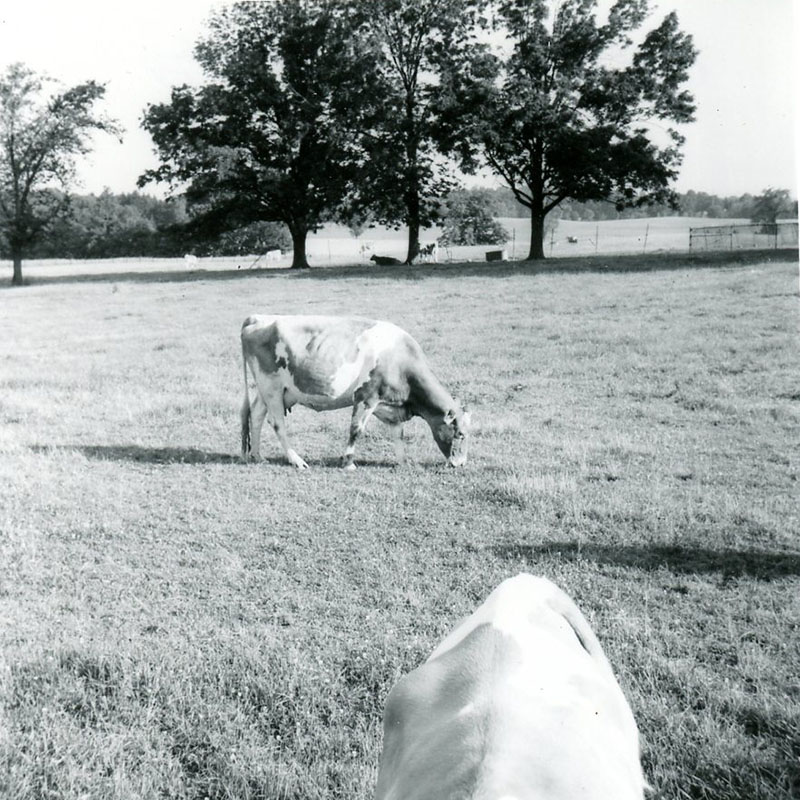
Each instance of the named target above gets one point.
<point>245,412</point>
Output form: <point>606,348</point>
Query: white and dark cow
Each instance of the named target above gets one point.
<point>429,252</point>
<point>519,701</point>
<point>336,362</point>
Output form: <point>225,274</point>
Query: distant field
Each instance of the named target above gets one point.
<point>174,623</point>
<point>336,245</point>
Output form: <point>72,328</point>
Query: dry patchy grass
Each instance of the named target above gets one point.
<point>174,623</point>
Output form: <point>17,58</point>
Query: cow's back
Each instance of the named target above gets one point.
<point>321,360</point>
<point>512,703</point>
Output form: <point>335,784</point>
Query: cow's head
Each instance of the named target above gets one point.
<point>451,432</point>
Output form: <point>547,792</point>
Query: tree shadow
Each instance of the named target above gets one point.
<point>150,276</point>
<point>684,560</point>
<point>610,263</point>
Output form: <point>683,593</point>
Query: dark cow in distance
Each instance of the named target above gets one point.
<point>326,363</point>
<point>385,261</point>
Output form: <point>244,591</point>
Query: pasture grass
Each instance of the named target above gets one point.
<point>175,623</point>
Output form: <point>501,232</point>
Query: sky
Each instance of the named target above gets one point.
<point>745,80</point>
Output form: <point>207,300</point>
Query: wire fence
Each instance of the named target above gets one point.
<point>744,237</point>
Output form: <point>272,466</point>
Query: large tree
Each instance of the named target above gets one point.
<point>565,110</point>
<point>41,138</point>
<point>271,136</point>
<point>469,219</point>
<point>771,204</point>
<point>405,178</point>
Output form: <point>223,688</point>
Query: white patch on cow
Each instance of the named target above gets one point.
<point>381,336</point>
<point>468,709</point>
<point>506,609</point>
<point>370,345</point>
<point>282,351</point>
<point>348,375</point>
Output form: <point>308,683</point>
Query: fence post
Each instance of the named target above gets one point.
<point>596,238</point>
<point>646,231</point>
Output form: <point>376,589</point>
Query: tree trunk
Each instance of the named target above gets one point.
<point>16,257</point>
<point>299,233</point>
<point>413,235</point>
<point>537,236</point>
<point>412,178</point>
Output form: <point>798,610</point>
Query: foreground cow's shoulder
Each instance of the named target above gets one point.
<point>518,701</point>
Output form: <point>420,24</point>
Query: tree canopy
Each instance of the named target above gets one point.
<point>469,218</point>
<point>404,177</point>
<point>771,204</point>
<point>271,136</point>
<point>556,117</point>
<point>40,141</point>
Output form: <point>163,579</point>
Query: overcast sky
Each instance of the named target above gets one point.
<point>744,81</point>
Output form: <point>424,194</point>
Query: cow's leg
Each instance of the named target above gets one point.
<point>271,395</point>
<point>362,411</point>
<point>258,410</point>
<point>399,444</point>
<point>277,417</point>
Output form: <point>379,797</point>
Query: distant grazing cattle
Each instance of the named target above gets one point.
<point>429,252</point>
<point>385,261</point>
<point>273,255</point>
<point>191,261</point>
<point>572,239</point>
<point>335,362</point>
<point>519,701</point>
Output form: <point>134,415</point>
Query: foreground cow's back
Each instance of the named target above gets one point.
<point>518,702</point>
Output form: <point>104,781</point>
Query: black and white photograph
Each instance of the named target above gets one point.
<point>399,400</point>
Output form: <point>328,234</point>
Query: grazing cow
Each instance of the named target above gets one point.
<point>273,255</point>
<point>429,252</point>
<point>518,702</point>
<point>191,260</point>
<point>385,261</point>
<point>336,362</point>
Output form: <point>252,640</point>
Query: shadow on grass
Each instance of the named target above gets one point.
<point>149,276</point>
<point>686,560</point>
<point>146,455</point>
<point>610,263</point>
<point>190,455</point>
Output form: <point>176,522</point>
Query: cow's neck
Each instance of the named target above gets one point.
<point>429,399</point>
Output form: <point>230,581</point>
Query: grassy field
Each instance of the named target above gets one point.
<point>177,624</point>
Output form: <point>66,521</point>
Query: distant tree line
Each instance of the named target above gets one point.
<point>689,204</point>
<point>139,225</point>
